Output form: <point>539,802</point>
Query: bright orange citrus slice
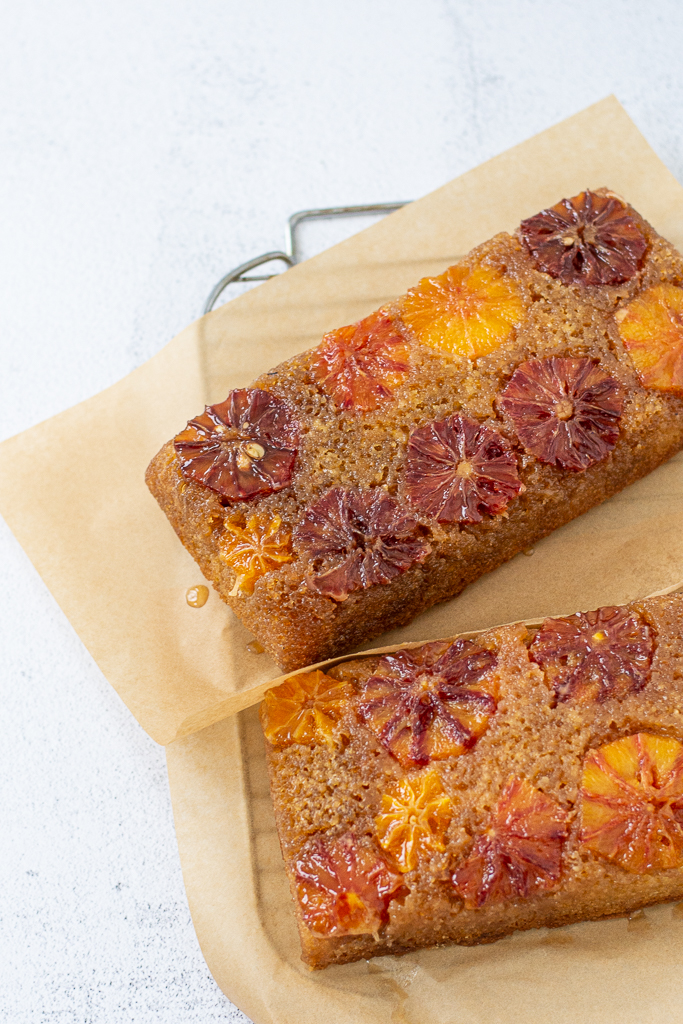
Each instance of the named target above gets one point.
<point>632,802</point>
<point>253,550</point>
<point>651,328</point>
<point>413,819</point>
<point>304,709</point>
<point>468,311</point>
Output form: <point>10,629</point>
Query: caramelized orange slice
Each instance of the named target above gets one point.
<point>593,656</point>
<point>368,535</point>
<point>253,550</point>
<point>360,365</point>
<point>566,411</point>
<point>344,885</point>
<point>651,328</point>
<point>304,709</point>
<point>632,802</point>
<point>413,819</point>
<point>589,239</point>
<point>431,703</point>
<point>468,311</point>
<point>241,448</point>
<point>521,851</point>
<point>459,470</point>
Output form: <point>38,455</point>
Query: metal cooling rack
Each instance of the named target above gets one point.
<point>292,251</point>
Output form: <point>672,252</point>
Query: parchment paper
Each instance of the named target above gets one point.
<point>72,488</point>
<point>619,971</point>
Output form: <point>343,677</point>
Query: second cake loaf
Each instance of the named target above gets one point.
<point>462,790</point>
<point>368,478</point>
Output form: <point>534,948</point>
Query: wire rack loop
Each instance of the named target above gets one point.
<point>292,253</point>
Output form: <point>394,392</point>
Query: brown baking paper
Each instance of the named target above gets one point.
<point>618,971</point>
<point>72,488</point>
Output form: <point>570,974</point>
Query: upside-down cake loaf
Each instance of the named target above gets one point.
<point>461,790</point>
<point>361,482</point>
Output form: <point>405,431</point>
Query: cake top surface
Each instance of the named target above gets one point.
<point>351,463</point>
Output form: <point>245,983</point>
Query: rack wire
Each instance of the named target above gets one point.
<point>291,254</point>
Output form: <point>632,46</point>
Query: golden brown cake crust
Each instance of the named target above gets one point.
<point>329,789</point>
<point>367,450</point>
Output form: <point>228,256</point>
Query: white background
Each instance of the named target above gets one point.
<point>146,147</point>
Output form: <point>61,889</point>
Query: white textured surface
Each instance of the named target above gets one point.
<point>147,147</point>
